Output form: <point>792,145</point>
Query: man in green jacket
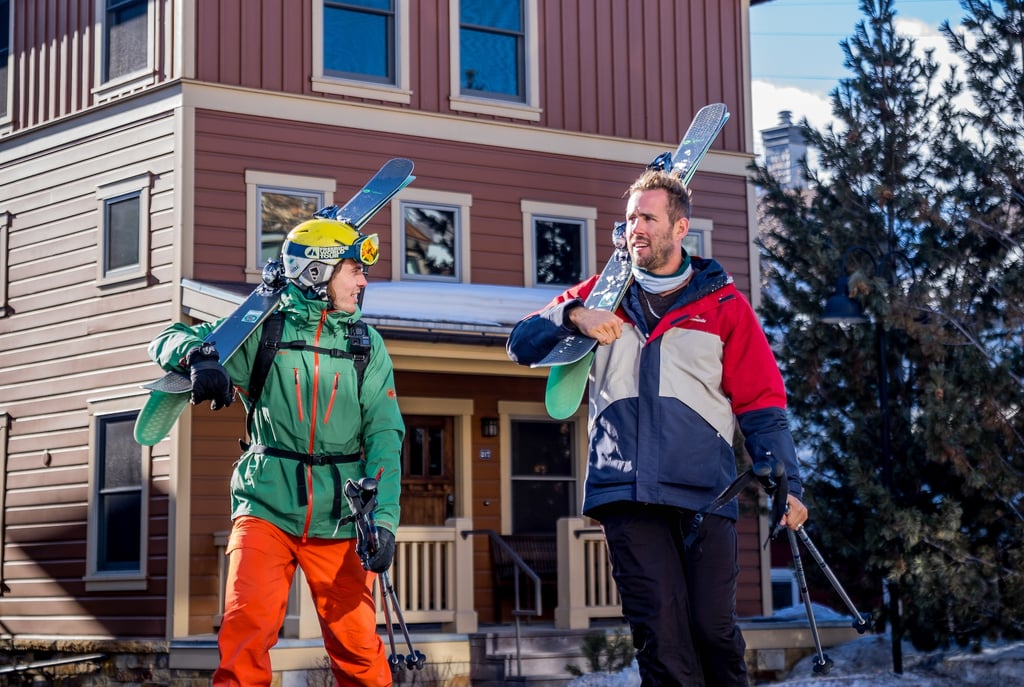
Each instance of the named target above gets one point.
<point>315,425</point>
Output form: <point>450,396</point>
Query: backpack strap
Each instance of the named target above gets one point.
<point>272,328</point>
<point>270,343</point>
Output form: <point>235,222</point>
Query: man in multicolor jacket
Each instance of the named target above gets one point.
<point>313,427</point>
<point>680,362</point>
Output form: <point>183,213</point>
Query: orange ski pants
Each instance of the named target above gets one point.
<point>262,561</point>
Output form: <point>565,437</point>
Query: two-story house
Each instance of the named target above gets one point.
<point>153,153</point>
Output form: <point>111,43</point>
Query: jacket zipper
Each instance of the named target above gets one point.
<point>312,423</point>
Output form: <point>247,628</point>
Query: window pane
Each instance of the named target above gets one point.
<point>120,527</point>
<point>122,462</point>
<point>537,505</point>
<point>491,49</point>
<point>436,466</point>
<point>558,246</point>
<point>430,241</point>
<point>127,37</point>
<point>122,240</point>
<point>360,42</point>
<point>498,14</point>
<point>490,62</point>
<point>542,448</point>
<point>280,212</point>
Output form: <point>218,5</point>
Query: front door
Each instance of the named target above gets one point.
<point>428,470</point>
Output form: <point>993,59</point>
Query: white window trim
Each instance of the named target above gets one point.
<point>254,179</point>
<point>531,209</point>
<point>463,201</point>
<point>94,579</point>
<point>5,230</point>
<point>704,227</point>
<point>126,83</point>
<point>530,110</point>
<point>125,278</point>
<point>401,92</point>
<point>8,119</point>
<point>524,410</point>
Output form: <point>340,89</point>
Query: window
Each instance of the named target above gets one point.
<point>430,233</point>
<point>785,592</point>
<point>5,59</point>
<point>543,474</point>
<point>698,239</point>
<point>276,204</point>
<point>361,48</point>
<point>428,469</point>
<point>494,59</point>
<point>125,38</point>
<point>558,243</point>
<point>124,231</point>
<point>118,495</point>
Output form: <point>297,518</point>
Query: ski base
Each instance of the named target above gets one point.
<point>566,384</point>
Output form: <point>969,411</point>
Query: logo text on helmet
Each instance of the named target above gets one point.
<point>325,252</point>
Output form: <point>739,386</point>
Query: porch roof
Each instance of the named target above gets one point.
<point>415,310</point>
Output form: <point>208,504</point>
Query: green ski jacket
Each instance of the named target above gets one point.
<point>312,428</point>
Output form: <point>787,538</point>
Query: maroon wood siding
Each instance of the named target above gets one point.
<point>496,178</point>
<point>617,68</point>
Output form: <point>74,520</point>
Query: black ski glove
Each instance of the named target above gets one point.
<point>210,381</point>
<point>380,560</point>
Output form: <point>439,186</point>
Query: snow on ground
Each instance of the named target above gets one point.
<point>867,662</point>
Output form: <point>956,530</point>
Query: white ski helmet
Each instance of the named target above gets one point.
<point>312,249</point>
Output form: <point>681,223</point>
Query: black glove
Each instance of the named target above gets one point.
<point>380,560</point>
<point>210,381</point>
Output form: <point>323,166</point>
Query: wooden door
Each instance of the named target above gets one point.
<point>428,470</point>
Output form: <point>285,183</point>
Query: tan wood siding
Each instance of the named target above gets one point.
<point>64,343</point>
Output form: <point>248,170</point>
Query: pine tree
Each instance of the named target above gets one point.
<point>916,205</point>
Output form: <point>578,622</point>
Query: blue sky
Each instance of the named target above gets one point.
<point>795,56</point>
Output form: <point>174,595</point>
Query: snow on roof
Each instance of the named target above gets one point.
<point>416,306</point>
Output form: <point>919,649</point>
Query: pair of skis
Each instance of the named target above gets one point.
<point>570,361</point>
<point>170,394</point>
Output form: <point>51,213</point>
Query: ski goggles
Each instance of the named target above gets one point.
<point>365,250</point>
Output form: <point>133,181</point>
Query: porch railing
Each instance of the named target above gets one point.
<point>434,579</point>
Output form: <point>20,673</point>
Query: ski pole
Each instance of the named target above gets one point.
<point>823,664</point>
<point>860,623</point>
<point>362,500</point>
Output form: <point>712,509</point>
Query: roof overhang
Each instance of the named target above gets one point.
<point>466,325</point>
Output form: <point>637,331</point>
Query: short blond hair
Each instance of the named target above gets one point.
<point>678,193</point>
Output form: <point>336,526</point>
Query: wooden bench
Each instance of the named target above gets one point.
<point>540,553</point>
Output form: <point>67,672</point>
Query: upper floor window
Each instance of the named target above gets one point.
<point>124,230</point>
<point>118,495</point>
<point>126,48</point>
<point>276,204</point>
<point>430,235</point>
<point>495,63</point>
<point>558,243</point>
<point>361,48</point>
<point>125,42</point>
<point>5,58</point>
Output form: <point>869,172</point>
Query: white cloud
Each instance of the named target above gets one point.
<point>769,99</point>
